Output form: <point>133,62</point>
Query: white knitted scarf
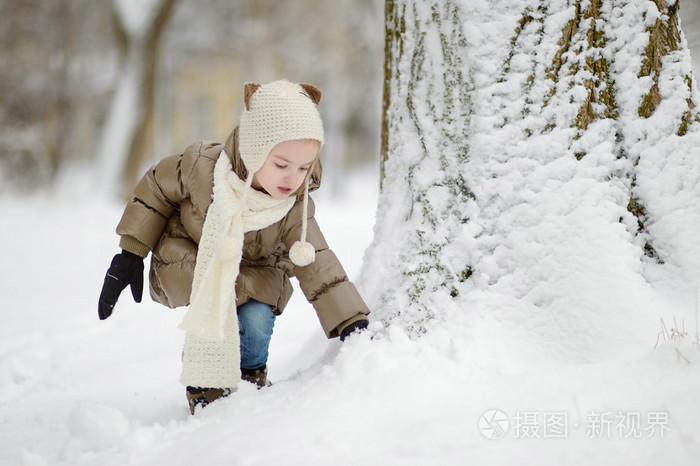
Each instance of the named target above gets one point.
<point>236,209</point>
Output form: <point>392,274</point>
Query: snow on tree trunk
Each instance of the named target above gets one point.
<point>426,202</point>
<point>534,155</point>
<point>138,26</point>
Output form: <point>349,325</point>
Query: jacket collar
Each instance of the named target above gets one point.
<point>231,148</point>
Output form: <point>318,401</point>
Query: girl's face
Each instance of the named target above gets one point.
<point>286,167</point>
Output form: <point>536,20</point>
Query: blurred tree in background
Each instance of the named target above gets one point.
<point>125,142</point>
<point>62,63</point>
<point>56,70</point>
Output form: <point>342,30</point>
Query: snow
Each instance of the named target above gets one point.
<point>76,390</point>
<point>588,349</point>
<point>136,15</point>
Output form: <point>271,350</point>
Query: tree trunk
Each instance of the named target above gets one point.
<point>427,112</point>
<point>505,124</point>
<point>124,142</point>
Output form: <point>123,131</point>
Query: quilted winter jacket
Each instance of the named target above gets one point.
<point>166,217</point>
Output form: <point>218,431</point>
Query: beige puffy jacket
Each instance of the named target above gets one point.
<point>166,217</point>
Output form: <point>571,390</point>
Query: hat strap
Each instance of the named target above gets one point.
<point>301,252</point>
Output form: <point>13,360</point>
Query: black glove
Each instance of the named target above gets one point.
<point>358,326</point>
<point>126,269</point>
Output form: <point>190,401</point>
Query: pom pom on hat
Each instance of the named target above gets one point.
<point>302,253</point>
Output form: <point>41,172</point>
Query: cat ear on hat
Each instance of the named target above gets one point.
<point>248,92</point>
<point>312,92</point>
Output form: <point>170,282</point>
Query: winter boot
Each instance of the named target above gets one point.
<point>198,396</point>
<point>257,376</point>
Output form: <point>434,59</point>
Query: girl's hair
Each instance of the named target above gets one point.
<point>314,175</point>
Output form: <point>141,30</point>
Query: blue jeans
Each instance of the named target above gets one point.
<point>255,321</point>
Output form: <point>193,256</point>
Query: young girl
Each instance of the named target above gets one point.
<point>227,224</point>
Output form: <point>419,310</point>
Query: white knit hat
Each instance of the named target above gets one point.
<point>277,112</point>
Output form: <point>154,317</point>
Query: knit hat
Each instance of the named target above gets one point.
<point>277,112</point>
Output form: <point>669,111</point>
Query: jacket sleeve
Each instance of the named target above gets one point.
<point>324,282</point>
<point>156,196</point>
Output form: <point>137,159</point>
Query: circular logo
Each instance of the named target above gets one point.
<point>494,424</point>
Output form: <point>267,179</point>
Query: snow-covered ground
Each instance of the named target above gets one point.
<point>76,390</point>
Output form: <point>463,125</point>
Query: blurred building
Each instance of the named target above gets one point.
<point>197,102</point>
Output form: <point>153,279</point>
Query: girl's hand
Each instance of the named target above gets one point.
<point>126,269</point>
<point>355,327</point>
